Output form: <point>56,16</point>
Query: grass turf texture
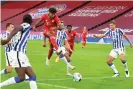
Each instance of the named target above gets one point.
<point>90,62</point>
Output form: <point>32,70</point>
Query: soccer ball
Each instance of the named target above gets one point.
<point>77,77</point>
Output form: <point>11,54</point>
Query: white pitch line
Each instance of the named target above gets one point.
<point>62,87</point>
<point>82,78</point>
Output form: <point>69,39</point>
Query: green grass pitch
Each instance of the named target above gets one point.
<point>90,62</point>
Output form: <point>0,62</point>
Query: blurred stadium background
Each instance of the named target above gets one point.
<point>95,15</point>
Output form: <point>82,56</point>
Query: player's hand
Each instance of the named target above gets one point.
<point>131,45</point>
<point>34,28</point>
<point>71,50</point>
<point>94,35</point>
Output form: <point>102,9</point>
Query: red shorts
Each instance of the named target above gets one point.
<point>83,38</point>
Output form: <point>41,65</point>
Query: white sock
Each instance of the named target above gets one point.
<point>114,68</point>
<point>33,85</point>
<point>68,70</point>
<point>65,60</point>
<point>8,82</point>
<point>125,66</point>
<point>3,71</point>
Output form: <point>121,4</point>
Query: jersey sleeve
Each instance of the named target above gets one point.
<point>121,32</point>
<point>107,33</point>
<point>57,20</point>
<point>25,26</point>
<point>75,33</point>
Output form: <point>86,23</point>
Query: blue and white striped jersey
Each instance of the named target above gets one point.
<point>22,38</point>
<point>8,47</point>
<point>60,37</point>
<point>116,36</point>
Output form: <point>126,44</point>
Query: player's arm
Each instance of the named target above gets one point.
<point>67,45</point>
<point>102,35</point>
<point>39,21</point>
<point>44,38</point>
<point>99,36</point>
<point>58,22</point>
<point>131,45</point>
<point>10,42</point>
<point>77,37</point>
<point>3,42</point>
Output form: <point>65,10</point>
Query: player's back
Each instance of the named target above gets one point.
<point>22,38</point>
<point>60,37</point>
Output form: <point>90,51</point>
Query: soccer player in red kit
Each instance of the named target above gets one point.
<point>71,36</point>
<point>51,22</point>
<point>84,36</point>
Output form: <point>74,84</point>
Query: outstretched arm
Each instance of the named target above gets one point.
<point>37,23</point>
<point>131,45</point>
<point>99,36</point>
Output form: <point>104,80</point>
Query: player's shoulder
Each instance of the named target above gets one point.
<point>74,31</point>
<point>119,28</point>
<point>25,25</point>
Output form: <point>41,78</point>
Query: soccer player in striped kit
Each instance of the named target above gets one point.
<point>61,37</point>
<point>18,55</point>
<point>8,48</point>
<point>118,47</point>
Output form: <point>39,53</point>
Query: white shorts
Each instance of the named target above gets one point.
<point>115,52</point>
<point>62,49</point>
<point>18,59</point>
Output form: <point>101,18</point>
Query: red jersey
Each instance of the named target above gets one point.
<point>84,32</point>
<point>71,35</point>
<point>49,23</point>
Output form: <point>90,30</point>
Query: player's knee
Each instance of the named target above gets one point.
<point>19,79</point>
<point>32,78</point>
<point>108,61</point>
<point>22,78</point>
<point>9,69</point>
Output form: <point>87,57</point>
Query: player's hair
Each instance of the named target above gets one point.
<point>27,18</point>
<point>8,24</point>
<point>52,10</point>
<point>112,22</point>
<point>69,25</point>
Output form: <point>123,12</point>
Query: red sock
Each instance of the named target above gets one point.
<point>50,53</point>
<point>53,42</point>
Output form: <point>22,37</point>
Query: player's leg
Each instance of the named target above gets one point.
<point>7,70</point>
<point>72,47</point>
<point>32,78</point>
<point>110,59</point>
<point>65,57</point>
<point>44,39</point>
<point>123,59</point>
<point>83,41</point>
<point>21,77</point>
<point>50,52</point>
